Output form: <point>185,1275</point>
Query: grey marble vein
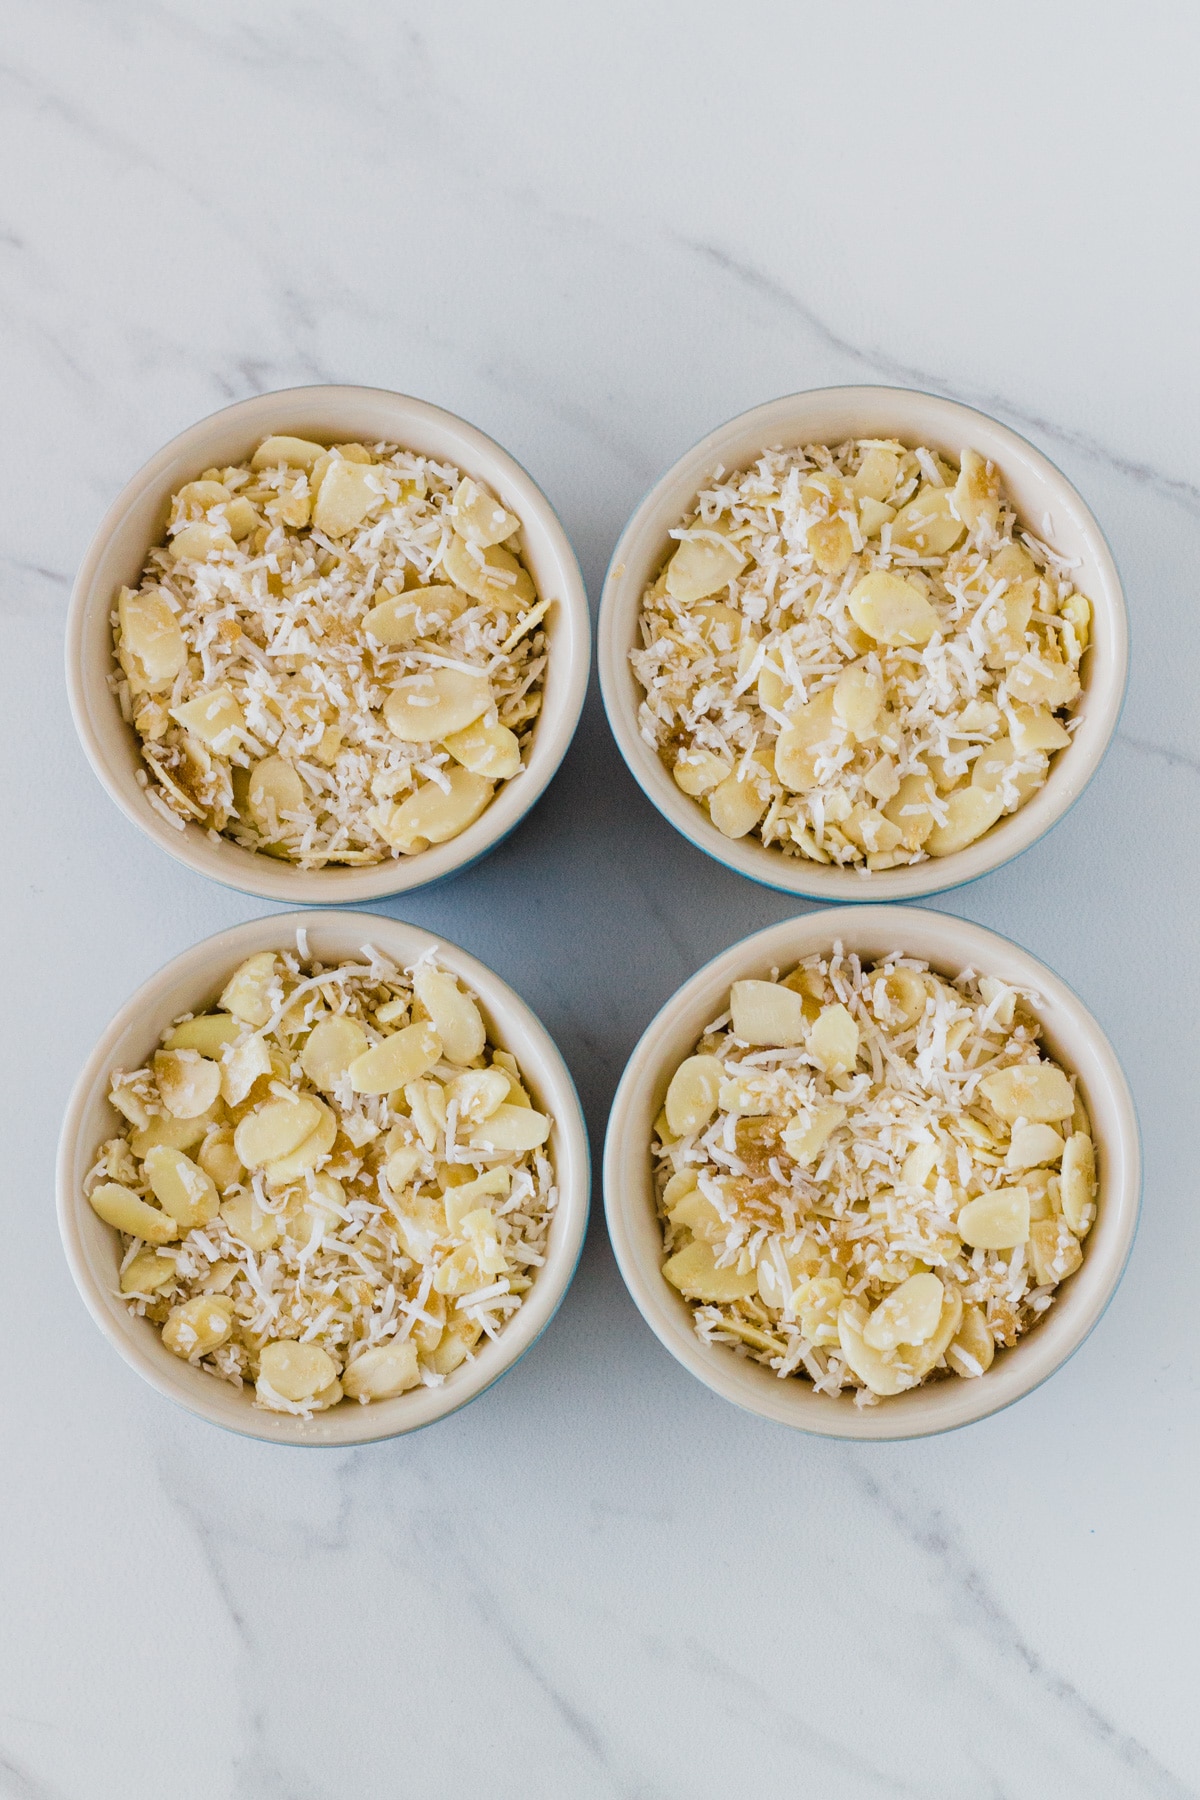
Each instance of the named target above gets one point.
<point>755,280</point>
<point>568,226</point>
<point>747,1700</point>
<point>932,1533</point>
<point>19,1783</point>
<point>1179,759</point>
<point>447,1558</point>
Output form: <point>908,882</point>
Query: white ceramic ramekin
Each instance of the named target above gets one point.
<point>137,520</point>
<point>949,945</point>
<point>1039,492</point>
<point>193,981</point>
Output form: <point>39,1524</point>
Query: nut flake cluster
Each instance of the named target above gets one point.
<point>858,654</point>
<point>335,657</point>
<point>331,1185</point>
<point>869,1177</point>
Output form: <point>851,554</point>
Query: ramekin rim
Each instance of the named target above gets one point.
<point>828,923</point>
<point>282,883</point>
<point>913,882</point>
<point>155,1369</point>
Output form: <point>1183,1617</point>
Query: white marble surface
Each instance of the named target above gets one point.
<point>596,231</point>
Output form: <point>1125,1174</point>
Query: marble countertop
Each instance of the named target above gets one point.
<point>595,232</point>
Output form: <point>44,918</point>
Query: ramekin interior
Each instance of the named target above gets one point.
<point>831,415</point>
<point>949,945</point>
<point>137,520</point>
<point>194,980</point>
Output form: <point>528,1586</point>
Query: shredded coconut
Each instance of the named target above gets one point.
<point>288,606</point>
<point>859,654</point>
<point>869,1174</point>
<point>407,1224</point>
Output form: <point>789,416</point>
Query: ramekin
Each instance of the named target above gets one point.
<point>137,520</point>
<point>949,945</point>
<point>1039,491</point>
<point>194,980</point>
